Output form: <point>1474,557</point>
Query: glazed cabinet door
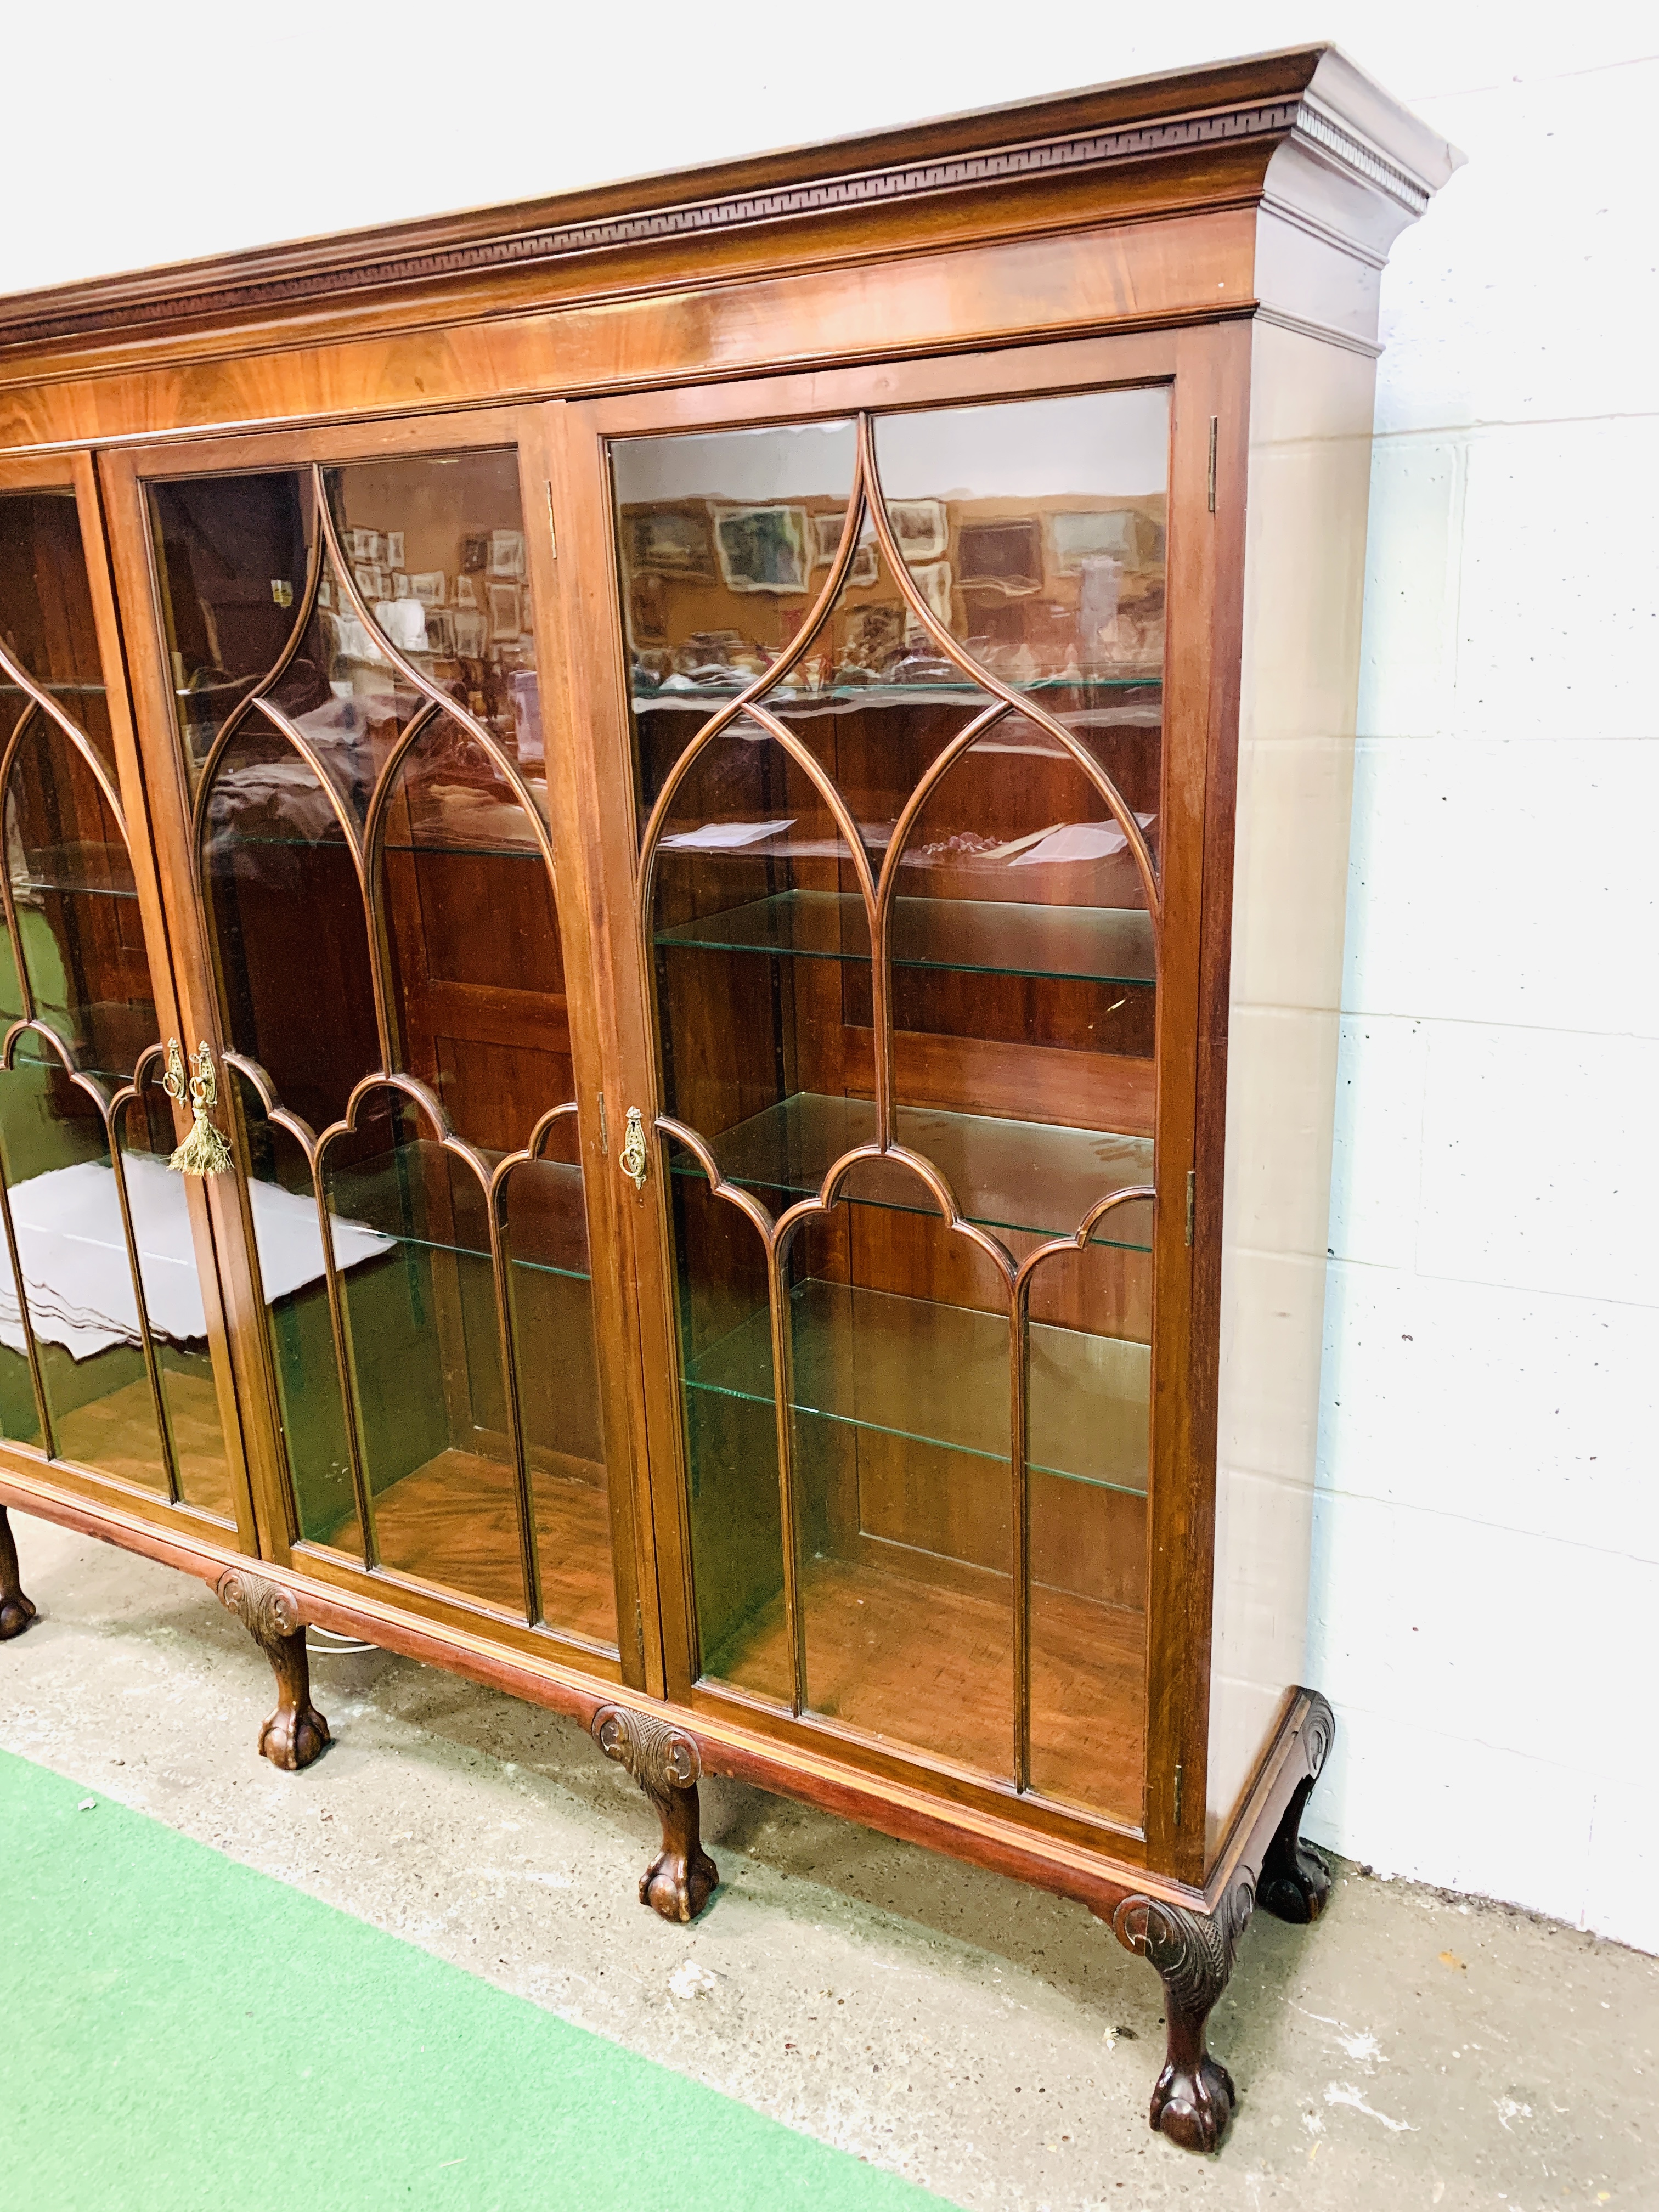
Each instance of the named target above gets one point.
<point>879,663</point>
<point>370,844</point>
<point>114,1362</point>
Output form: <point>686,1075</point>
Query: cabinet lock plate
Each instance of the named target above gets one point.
<point>634,1158</point>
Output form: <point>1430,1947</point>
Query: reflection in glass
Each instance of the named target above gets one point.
<point>46,615</point>
<point>76,965</point>
<point>983,1000</point>
<point>1089,1417</point>
<point>375,872</point>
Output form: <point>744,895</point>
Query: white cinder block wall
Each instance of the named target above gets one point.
<point>1486,1560</point>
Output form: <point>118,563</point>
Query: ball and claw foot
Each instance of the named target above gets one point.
<point>1193,2105</point>
<point>293,1736</point>
<point>678,1885</point>
<point>15,1610</point>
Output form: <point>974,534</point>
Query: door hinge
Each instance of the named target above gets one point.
<point>638,1634</point>
<point>1192,1201</point>
<point>1214,427</point>
<point>1177,1797</point>
<point>553,535</point>
<point>605,1131</point>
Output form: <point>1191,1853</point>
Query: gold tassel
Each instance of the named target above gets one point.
<point>203,1152</point>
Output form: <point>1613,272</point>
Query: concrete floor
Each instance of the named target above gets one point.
<point>992,2043</point>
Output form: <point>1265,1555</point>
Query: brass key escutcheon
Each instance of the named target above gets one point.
<point>634,1158</point>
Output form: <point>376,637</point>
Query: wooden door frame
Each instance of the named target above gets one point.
<point>125,471</point>
<point>1206,368</point>
<point>75,471</point>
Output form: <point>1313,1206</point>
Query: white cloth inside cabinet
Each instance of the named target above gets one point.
<point>73,1256</point>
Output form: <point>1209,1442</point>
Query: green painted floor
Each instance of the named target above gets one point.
<point>181,2032</point>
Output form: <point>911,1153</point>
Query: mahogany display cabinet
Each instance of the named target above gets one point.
<point>714,815</point>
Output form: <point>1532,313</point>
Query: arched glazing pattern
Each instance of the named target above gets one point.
<point>354,655</point>
<point>896,695</point>
<point>103,1355</point>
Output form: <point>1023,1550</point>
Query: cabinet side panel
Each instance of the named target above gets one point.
<point>1310,423</point>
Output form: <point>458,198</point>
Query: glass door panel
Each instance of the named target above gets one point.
<point>896,685</point>
<point>353,657</point>
<point>104,1353</point>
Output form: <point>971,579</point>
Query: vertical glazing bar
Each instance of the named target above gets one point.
<point>152,1364</point>
<point>42,1412</point>
<point>523,1491</point>
<point>340,1328</point>
<point>1019,1445</point>
<point>783,1398</point>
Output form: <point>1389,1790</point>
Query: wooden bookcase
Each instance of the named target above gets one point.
<point>733,792</point>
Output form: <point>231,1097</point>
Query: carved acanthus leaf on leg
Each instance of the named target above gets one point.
<point>297,1732</point>
<point>666,1763</point>
<point>15,1610</point>
<point>1193,1955</point>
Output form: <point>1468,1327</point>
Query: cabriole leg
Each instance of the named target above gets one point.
<point>1295,1880</point>
<point>666,1763</point>
<point>296,1731</point>
<point>1193,1955</point>
<point>15,1611</point>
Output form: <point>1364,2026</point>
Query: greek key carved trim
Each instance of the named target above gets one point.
<point>269,1612</point>
<point>658,1755</point>
<point>740,210</point>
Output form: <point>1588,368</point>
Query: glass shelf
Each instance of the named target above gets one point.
<point>975,937</point>
<point>24,887</point>
<point>843,695</point>
<point>55,690</point>
<point>1024,1176</point>
<point>939,1375</point>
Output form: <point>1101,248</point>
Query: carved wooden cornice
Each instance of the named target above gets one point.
<point>1273,99</point>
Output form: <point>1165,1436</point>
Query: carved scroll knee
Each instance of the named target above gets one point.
<point>296,1731</point>
<point>1296,1882</point>
<point>1193,1954</point>
<point>15,1611</point>
<point>664,1762</point>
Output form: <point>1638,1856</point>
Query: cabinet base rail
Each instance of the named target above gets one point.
<point>1188,1935</point>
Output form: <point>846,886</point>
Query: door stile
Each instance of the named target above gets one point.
<point>160,770</point>
<point>1204,569</point>
<point>595,714</point>
<point>555,562</point>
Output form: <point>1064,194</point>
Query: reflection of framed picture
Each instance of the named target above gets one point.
<point>474,552</point>
<point>507,553</point>
<point>428,587</point>
<point>441,632</point>
<point>1127,536</point>
<point>465,595</point>
<point>647,609</point>
<point>471,642</point>
<point>367,544</point>
<point>324,592</point>
<point>505,609</point>
<point>934,582</point>
<point>826,538</point>
<point>402,586</point>
<point>671,541</point>
<point>371,582</point>
<point>873,636</point>
<point>919,525</point>
<point>1000,556</point>
<point>393,555</point>
<point>764,549</point>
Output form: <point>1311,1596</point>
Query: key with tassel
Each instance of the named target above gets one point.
<point>204,1151</point>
